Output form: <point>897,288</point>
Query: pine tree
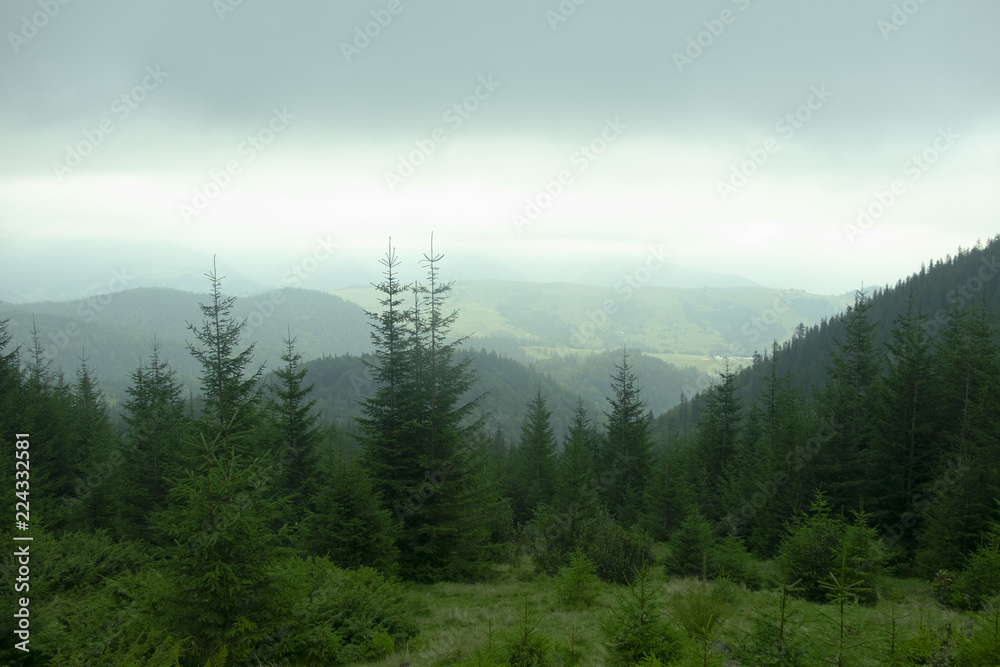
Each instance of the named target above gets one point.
<point>156,424</point>
<point>718,436</point>
<point>627,448</point>
<point>428,464</point>
<point>535,460</point>
<point>349,524</point>
<point>231,394</point>
<point>575,494</point>
<point>222,514</point>
<point>904,452</point>
<point>295,421</point>
<point>96,452</point>
<point>848,402</point>
<point>959,500</point>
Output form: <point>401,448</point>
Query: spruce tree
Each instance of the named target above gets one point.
<point>718,437</point>
<point>222,514</point>
<point>348,523</point>
<point>575,493</point>
<point>429,464</point>
<point>627,448</point>
<point>848,403</point>
<point>535,476</point>
<point>231,392</point>
<point>904,452</point>
<point>156,425</point>
<point>97,454</point>
<point>295,423</point>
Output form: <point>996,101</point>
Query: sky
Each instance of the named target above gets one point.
<point>794,143</point>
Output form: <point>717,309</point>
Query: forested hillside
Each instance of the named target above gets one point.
<point>793,521</point>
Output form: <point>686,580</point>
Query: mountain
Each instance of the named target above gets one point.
<point>938,290</point>
<point>66,271</point>
<point>682,326</point>
<point>114,330</point>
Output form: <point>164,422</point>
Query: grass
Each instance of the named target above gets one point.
<point>466,621</point>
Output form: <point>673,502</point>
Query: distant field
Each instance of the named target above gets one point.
<point>686,327</point>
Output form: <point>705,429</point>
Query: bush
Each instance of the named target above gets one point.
<point>811,550</point>
<point>941,587</point>
<point>692,547</point>
<point>115,624</point>
<point>766,646</point>
<point>731,560</point>
<point>548,538</point>
<point>818,546</point>
<point>337,616</point>
<point>577,584</point>
<point>615,551</point>
<point>980,580</point>
<point>634,629</point>
<point>699,611</point>
<point>979,646</point>
<point>528,648</point>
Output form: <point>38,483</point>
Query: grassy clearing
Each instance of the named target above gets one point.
<point>465,622</point>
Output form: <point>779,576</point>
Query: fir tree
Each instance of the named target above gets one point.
<point>575,480</point>
<point>627,448</point>
<point>231,393</point>
<point>535,460</point>
<point>156,424</point>
<point>295,421</point>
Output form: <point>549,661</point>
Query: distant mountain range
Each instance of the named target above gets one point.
<point>559,331</point>
<point>65,270</point>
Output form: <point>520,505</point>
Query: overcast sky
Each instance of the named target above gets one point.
<point>740,136</point>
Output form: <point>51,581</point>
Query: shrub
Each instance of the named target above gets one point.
<point>337,616</point>
<point>810,551</point>
<point>731,560</point>
<point>634,629</point>
<point>979,646</point>
<point>941,587</point>
<point>819,545</point>
<point>770,645</point>
<point>577,584</point>
<point>548,538</point>
<point>980,580</point>
<point>528,648</point>
<point>692,547</point>
<point>114,624</point>
<point>615,551</point>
